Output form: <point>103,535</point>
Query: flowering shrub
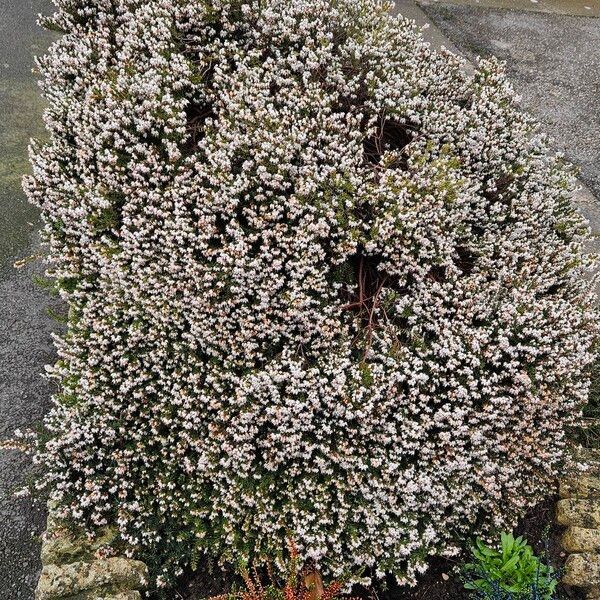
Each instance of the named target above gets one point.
<point>322,284</point>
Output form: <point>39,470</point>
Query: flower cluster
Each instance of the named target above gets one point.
<point>322,284</point>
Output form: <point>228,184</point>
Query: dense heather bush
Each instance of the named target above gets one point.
<point>322,284</point>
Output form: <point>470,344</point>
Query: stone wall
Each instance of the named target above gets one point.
<point>75,568</point>
<point>579,511</point>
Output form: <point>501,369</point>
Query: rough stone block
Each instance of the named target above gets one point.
<point>582,570</point>
<point>59,546</point>
<point>590,458</point>
<point>100,595</point>
<point>578,513</point>
<point>582,486</point>
<point>76,578</point>
<point>578,539</point>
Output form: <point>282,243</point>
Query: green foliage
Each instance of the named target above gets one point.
<point>591,411</point>
<point>50,24</point>
<point>512,571</point>
<point>106,219</point>
<point>48,285</point>
<point>588,433</point>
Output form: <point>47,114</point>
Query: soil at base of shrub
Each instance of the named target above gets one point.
<point>440,582</point>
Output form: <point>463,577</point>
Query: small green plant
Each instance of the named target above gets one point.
<point>512,572</point>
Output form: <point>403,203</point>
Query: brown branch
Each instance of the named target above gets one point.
<point>367,301</point>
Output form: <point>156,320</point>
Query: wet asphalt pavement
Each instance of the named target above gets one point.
<point>25,327</point>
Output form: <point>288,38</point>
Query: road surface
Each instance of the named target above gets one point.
<point>25,344</point>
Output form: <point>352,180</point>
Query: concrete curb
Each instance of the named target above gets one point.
<point>573,8</point>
